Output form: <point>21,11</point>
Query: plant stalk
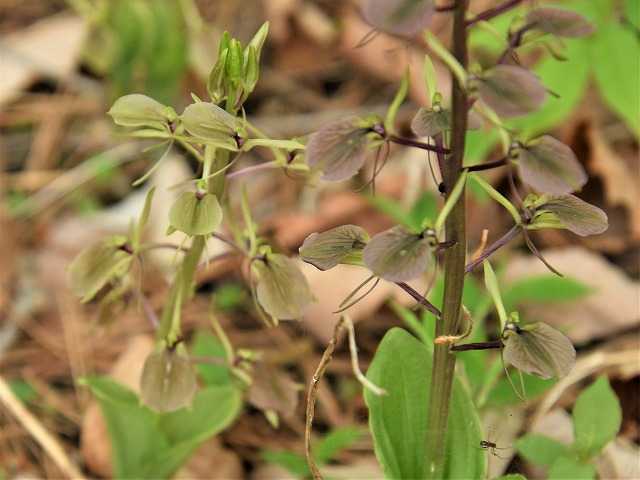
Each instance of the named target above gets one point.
<point>454,262</point>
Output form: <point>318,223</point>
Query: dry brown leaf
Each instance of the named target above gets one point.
<point>612,307</point>
<point>50,47</point>
<point>619,460</point>
<point>619,176</point>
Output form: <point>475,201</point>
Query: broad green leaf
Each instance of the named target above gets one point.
<point>540,450</point>
<point>168,381</point>
<point>597,417</point>
<point>195,214</point>
<point>538,349</point>
<point>511,91</point>
<point>402,366</point>
<point>398,255</point>
<point>282,290</point>
<point>339,148</point>
<point>571,213</point>
<point>559,22</point>
<point>550,166</point>
<point>566,468</point>
<point>206,345</point>
<point>544,289</point>
<point>336,441</point>
<point>615,56</point>
<point>327,249</point>
<point>98,265</point>
<point>138,110</point>
<point>405,18</point>
<point>151,445</point>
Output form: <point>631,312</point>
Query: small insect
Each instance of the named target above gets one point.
<point>491,447</point>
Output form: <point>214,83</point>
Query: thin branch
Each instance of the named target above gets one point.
<point>487,165</point>
<point>494,247</point>
<point>495,344</point>
<point>229,242</point>
<point>493,12</point>
<point>420,299</point>
<point>313,394</point>
<point>417,144</point>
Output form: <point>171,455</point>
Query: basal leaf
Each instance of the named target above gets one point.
<point>282,290</point>
<point>560,22</point>
<point>339,148</point>
<point>550,166</point>
<point>538,349</point>
<point>195,213</point>
<point>511,91</point>
<point>168,381</point>
<point>327,249</point>
<point>597,417</point>
<point>98,265</point>
<point>568,211</point>
<point>402,366</point>
<point>398,255</point>
<point>336,441</point>
<point>399,17</point>
<point>136,110</point>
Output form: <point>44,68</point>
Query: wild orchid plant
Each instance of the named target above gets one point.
<point>216,133</point>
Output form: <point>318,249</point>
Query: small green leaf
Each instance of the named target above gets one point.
<point>206,345</point>
<point>399,255</point>
<point>292,462</point>
<point>405,18</point>
<point>257,42</point>
<point>402,366</point>
<point>457,193</point>
<point>168,381</point>
<point>597,417</point>
<point>327,249</point>
<point>138,110</point>
<point>540,450</point>
<point>144,218</point>
<point>511,91</point>
<point>566,468</point>
<point>282,290</point>
<point>98,265</point>
<point>423,212</point>
<point>550,166</point>
<point>571,213</point>
<point>538,349</point>
<point>195,214</point>
<point>498,197</point>
<point>392,208</point>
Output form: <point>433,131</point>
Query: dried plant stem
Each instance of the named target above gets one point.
<point>313,394</point>
<point>494,247</point>
<point>454,263</point>
<point>47,441</point>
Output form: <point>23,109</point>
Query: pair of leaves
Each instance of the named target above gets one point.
<point>405,18</point>
<point>396,254</point>
<point>282,290</point>
<point>402,366</point>
<point>597,417</point>
<point>339,149</point>
<point>195,213</point>
<point>567,212</point>
<point>146,444</point>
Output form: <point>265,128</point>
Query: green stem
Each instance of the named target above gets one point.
<point>454,261</point>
